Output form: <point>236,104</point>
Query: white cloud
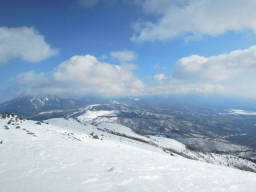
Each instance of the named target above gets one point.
<point>32,79</point>
<point>227,74</point>
<point>81,75</point>
<point>231,74</point>
<point>220,68</point>
<point>123,56</point>
<point>176,87</point>
<point>160,6</point>
<point>196,17</point>
<point>159,77</point>
<point>24,43</point>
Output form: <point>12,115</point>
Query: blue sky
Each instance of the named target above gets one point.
<point>133,47</point>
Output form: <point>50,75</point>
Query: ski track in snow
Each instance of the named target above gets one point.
<point>54,160</point>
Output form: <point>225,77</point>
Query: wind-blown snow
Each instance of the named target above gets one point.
<point>66,158</point>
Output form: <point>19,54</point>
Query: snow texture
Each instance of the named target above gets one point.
<point>241,112</point>
<point>64,156</point>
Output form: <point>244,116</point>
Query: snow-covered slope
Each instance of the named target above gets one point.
<point>150,123</point>
<point>241,112</point>
<point>125,134</point>
<point>65,155</point>
<point>91,114</point>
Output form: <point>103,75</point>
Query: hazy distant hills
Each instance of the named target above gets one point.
<point>222,133</point>
<point>44,107</point>
<point>204,124</point>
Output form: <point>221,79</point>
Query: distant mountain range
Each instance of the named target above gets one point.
<point>43,107</point>
<point>194,122</point>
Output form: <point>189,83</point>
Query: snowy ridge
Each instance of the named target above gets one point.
<point>50,112</point>
<point>84,157</point>
<point>241,112</point>
<point>105,120</point>
<point>170,146</point>
<point>82,110</point>
<point>92,115</point>
<point>147,122</point>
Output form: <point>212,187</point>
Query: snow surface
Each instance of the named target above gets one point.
<point>66,158</point>
<point>120,129</point>
<point>214,144</point>
<point>241,112</point>
<point>50,112</point>
<point>169,143</point>
<point>91,115</point>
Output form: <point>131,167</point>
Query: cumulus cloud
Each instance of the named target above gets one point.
<point>159,77</point>
<point>229,74</point>
<point>82,75</point>
<point>220,68</point>
<point>178,87</point>
<point>24,43</point>
<point>123,56</point>
<point>194,17</point>
<point>232,73</point>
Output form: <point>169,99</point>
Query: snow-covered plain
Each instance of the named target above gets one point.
<point>63,156</point>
